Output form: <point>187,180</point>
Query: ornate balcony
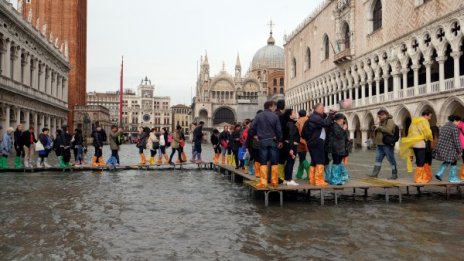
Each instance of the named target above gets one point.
<point>343,56</point>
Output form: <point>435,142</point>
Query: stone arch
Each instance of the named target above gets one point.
<point>224,114</point>
<point>355,126</point>
<point>452,105</point>
<point>203,115</point>
<point>403,118</point>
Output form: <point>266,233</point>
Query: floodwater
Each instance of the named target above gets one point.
<point>199,215</point>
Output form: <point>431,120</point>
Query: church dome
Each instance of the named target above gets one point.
<point>269,56</point>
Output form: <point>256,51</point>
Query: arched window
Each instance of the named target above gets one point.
<point>294,67</point>
<point>346,36</point>
<point>377,15</point>
<point>326,47</point>
<point>308,58</point>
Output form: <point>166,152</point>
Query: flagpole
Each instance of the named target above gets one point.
<point>121,91</point>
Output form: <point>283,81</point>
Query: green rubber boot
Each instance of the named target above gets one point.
<point>300,171</point>
<point>61,162</point>
<point>2,162</point>
<point>304,167</point>
<point>5,163</point>
<point>18,163</point>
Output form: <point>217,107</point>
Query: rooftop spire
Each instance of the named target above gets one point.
<point>237,63</point>
<point>206,57</point>
<point>270,40</point>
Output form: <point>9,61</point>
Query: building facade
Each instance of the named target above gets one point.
<point>109,100</point>
<point>140,107</point>
<point>227,99</point>
<point>33,75</point>
<point>403,56</point>
<point>65,24</point>
<point>87,117</point>
<point>181,117</point>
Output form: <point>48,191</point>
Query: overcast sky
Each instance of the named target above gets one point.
<point>164,39</point>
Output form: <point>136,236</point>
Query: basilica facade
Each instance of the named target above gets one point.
<point>227,99</point>
<point>402,56</point>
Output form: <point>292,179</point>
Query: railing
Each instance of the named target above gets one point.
<point>436,86</point>
<point>410,92</point>
<point>401,94</point>
<point>382,98</point>
<point>374,99</point>
<point>449,84</point>
<point>462,81</point>
<point>422,89</point>
<point>390,96</point>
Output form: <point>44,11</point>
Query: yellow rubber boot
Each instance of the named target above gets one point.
<point>263,180</point>
<point>319,175</point>
<point>152,160</point>
<point>281,171</point>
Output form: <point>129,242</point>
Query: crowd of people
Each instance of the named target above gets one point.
<point>266,146</point>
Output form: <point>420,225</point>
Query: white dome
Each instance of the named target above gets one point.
<point>269,56</point>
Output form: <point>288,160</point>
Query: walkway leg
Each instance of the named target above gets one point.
<point>266,198</point>
<point>447,192</point>
<point>419,192</point>
<point>336,196</point>
<point>322,197</point>
<point>400,197</point>
<point>407,190</point>
<point>281,198</point>
<point>387,197</point>
<point>365,192</point>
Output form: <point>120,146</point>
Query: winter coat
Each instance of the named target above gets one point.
<point>7,144</point>
<point>175,139</point>
<point>17,139</point>
<point>315,125</point>
<point>151,139</point>
<point>112,141</point>
<point>267,126</point>
<point>98,139</point>
<point>162,140</point>
<point>224,138</point>
<point>46,141</point>
<point>143,140</point>
<point>385,127</point>
<point>234,141</point>
<point>338,140</point>
<point>461,134</point>
<point>449,147</point>
<point>198,134</point>
<point>78,140</point>
<point>291,135</point>
<point>26,138</point>
<point>214,140</point>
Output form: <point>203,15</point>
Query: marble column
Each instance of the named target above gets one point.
<point>441,70</point>
<point>456,56</point>
<point>7,117</point>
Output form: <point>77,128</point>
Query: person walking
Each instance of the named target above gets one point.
<point>152,145</point>
<point>99,137</point>
<point>63,145</point>
<point>216,145</point>
<point>225,148</point>
<point>47,144</point>
<point>176,135</point>
<point>418,144</point>
<point>163,138</point>
<point>314,132</point>
<point>144,133</point>
<point>6,147</point>
<point>115,141</point>
<point>302,149</point>
<point>245,155</point>
<point>449,149</point>
<point>268,129</point>
<point>385,127</point>
<point>235,144</point>
<point>339,150</point>
<point>78,145</point>
<point>28,141</point>
<point>282,157</point>
<point>197,140</point>
<point>291,140</point>
<point>18,146</point>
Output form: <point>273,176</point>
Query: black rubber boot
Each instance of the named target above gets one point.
<point>394,174</point>
<point>375,172</point>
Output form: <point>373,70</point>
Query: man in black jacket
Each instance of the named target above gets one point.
<point>197,139</point>
<point>269,131</point>
<point>315,135</point>
<point>18,146</point>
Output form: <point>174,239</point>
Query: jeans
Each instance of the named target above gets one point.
<point>78,153</point>
<point>290,161</point>
<point>179,152</point>
<point>115,154</point>
<point>268,152</point>
<point>382,152</point>
<point>98,152</point>
<point>337,159</point>
<point>317,152</point>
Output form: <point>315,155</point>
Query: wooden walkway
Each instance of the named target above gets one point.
<point>180,166</point>
<point>354,184</point>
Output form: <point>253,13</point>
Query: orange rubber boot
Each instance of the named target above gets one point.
<point>184,156</point>
<point>428,174</point>
<point>257,170</point>
<point>101,162</point>
<point>223,160</point>
<point>419,175</point>
<point>462,172</point>
<point>166,158</point>
<point>319,175</point>
<point>275,175</point>
<point>312,177</point>
<point>94,162</point>
<point>263,180</point>
<point>143,159</point>
<point>159,161</point>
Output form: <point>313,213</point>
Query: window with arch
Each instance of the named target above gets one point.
<point>326,47</point>
<point>308,58</point>
<point>346,35</point>
<point>377,15</point>
<point>294,67</point>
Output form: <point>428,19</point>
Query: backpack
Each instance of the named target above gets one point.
<point>390,140</point>
<point>156,145</point>
<point>119,139</point>
<point>103,136</point>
